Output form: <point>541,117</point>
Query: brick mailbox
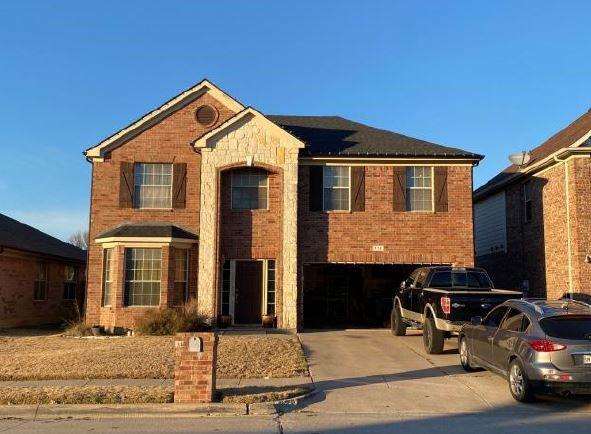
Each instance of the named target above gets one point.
<point>195,364</point>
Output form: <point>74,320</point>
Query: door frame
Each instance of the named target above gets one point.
<point>265,280</point>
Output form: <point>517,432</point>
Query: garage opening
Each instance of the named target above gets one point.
<point>350,295</point>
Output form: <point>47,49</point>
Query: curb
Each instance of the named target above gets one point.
<point>280,407</point>
<point>131,411</point>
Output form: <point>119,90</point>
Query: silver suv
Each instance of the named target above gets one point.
<point>538,345</point>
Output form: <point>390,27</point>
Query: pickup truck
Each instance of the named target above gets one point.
<point>440,300</point>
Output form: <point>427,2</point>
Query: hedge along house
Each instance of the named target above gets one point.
<point>310,220</point>
<point>533,221</point>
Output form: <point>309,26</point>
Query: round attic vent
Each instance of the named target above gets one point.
<point>206,115</point>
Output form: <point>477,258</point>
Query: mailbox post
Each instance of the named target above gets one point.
<point>195,365</point>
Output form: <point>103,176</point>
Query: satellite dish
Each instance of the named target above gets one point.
<point>520,159</point>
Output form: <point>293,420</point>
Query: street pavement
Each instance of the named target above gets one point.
<point>368,381</point>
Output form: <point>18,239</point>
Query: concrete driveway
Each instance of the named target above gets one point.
<point>392,378</point>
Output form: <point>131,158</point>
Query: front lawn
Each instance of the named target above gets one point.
<point>50,357</point>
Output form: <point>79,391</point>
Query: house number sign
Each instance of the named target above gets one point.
<point>377,248</point>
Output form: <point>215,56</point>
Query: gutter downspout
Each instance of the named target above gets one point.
<point>568,232</point>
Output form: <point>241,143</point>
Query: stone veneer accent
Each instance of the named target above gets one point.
<point>251,140</point>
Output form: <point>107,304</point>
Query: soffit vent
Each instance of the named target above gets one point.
<point>206,115</point>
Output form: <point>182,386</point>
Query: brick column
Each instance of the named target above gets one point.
<point>194,371</point>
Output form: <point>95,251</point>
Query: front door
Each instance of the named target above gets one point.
<point>248,292</point>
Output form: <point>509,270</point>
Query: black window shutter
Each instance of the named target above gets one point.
<point>358,188</point>
<point>179,185</point>
<point>440,188</point>
<point>399,202</point>
<point>315,198</point>
<point>126,185</point>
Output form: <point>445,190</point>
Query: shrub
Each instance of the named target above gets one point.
<point>168,321</point>
<point>77,329</point>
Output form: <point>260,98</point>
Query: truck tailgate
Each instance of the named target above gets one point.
<point>468,304</point>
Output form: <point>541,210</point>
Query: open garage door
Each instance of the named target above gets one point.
<point>350,295</point>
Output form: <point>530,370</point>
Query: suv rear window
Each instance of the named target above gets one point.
<point>460,279</point>
<point>567,327</point>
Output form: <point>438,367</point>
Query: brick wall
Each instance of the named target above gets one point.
<point>538,250</point>
<point>407,237</point>
<point>18,272</point>
<point>194,372</point>
<point>166,142</point>
<point>254,234</point>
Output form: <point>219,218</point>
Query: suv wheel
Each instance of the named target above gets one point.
<point>519,384</point>
<point>432,338</point>
<point>397,323</point>
<point>465,357</point>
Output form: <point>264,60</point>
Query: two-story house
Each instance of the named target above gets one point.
<point>533,221</point>
<point>310,219</point>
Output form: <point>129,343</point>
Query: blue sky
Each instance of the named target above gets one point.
<point>490,77</point>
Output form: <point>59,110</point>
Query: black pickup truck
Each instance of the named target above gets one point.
<point>441,299</point>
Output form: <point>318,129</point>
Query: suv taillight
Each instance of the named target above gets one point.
<point>446,305</point>
<point>546,346</point>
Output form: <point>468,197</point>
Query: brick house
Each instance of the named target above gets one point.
<point>533,222</point>
<point>41,277</point>
<point>310,220</point>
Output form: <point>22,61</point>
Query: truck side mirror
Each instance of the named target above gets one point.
<point>476,320</point>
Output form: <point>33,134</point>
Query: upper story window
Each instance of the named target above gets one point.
<point>142,276</point>
<point>40,285</point>
<point>69,282</point>
<point>250,189</point>
<point>336,186</point>
<point>152,185</point>
<point>419,188</point>
<point>527,201</point>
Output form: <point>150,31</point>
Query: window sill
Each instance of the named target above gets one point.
<point>152,209</point>
<point>337,211</point>
<point>149,306</point>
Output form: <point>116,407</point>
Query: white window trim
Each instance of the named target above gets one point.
<point>265,277</point>
<point>107,252</point>
<point>432,210</point>
<point>171,187</point>
<point>232,193</point>
<point>348,210</point>
<point>144,306</point>
<point>187,253</point>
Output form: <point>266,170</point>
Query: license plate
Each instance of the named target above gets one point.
<point>587,359</point>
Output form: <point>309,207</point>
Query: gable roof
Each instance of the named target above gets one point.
<point>337,136</point>
<point>19,236</point>
<point>247,114</point>
<point>169,107</point>
<point>574,135</point>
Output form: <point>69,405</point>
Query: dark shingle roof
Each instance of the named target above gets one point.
<point>147,229</point>
<point>562,139</point>
<point>20,236</point>
<point>336,136</point>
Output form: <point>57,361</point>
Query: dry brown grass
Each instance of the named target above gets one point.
<point>56,357</point>
<point>85,395</point>
<point>245,396</point>
<point>132,395</point>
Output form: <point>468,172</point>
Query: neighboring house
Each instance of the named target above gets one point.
<point>41,277</point>
<point>314,220</point>
<point>533,223</point>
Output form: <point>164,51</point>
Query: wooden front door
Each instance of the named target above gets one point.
<point>248,292</point>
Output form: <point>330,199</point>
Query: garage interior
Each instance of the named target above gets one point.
<point>351,295</point>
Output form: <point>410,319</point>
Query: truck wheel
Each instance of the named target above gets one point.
<point>397,323</point>
<point>432,338</point>
<point>519,385</point>
<point>465,358</point>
